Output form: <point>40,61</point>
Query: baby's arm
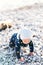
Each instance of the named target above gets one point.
<point>17,47</point>
<point>31,47</point>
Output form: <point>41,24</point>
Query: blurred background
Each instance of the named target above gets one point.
<point>6,4</point>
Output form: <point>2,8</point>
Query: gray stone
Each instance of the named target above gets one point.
<point>1,59</point>
<point>42,63</point>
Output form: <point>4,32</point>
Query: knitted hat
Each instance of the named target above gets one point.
<point>25,34</point>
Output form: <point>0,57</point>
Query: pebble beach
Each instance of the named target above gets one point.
<point>30,17</point>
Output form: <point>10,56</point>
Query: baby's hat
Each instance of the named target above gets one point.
<point>25,34</point>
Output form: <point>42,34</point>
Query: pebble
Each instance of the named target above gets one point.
<point>42,63</point>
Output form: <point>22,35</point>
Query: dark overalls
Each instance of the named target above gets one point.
<point>17,43</point>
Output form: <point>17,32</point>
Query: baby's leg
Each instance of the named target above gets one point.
<point>12,40</point>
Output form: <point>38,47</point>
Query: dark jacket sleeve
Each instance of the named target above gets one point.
<point>17,47</point>
<point>31,46</point>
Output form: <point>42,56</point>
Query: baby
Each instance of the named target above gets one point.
<point>22,39</point>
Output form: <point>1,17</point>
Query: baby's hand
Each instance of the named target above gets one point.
<point>21,59</point>
<point>31,53</point>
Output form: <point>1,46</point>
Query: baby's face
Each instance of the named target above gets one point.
<point>26,41</point>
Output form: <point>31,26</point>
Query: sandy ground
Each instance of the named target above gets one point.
<point>30,17</point>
